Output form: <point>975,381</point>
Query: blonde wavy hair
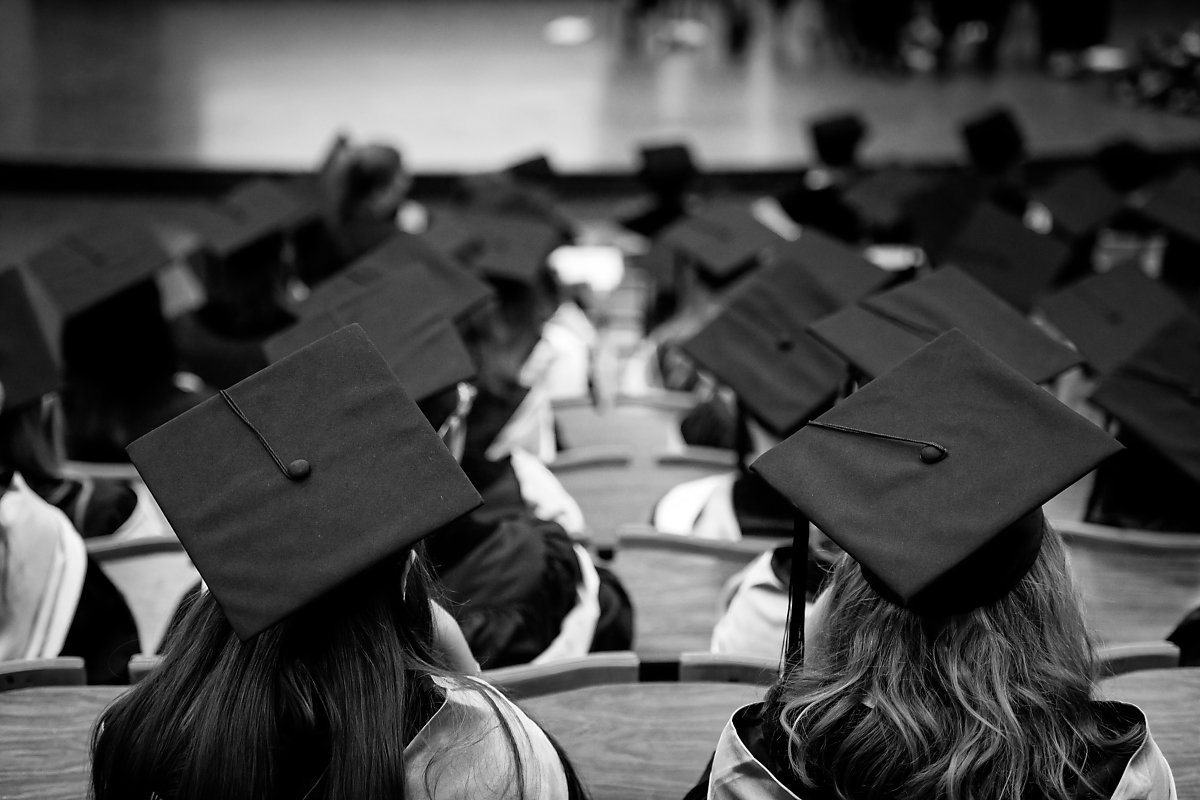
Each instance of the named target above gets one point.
<point>989,705</point>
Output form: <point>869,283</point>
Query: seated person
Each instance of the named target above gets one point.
<point>948,654</point>
<point>123,375</point>
<point>31,425</point>
<point>246,278</point>
<point>521,589</point>
<point>318,664</point>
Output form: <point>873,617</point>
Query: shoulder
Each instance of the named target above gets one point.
<point>738,771</point>
<point>480,744</point>
<point>1141,772</point>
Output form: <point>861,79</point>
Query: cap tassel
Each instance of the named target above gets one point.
<point>798,595</point>
<point>931,452</point>
<point>298,470</point>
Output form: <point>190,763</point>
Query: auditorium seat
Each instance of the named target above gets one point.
<point>1135,585</point>
<point>594,669</point>
<point>153,573</point>
<point>33,672</point>
<point>675,583</point>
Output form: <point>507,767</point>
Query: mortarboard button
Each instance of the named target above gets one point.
<point>931,454</point>
<point>299,469</point>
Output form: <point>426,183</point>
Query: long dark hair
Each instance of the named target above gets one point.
<point>995,703</point>
<point>320,705</point>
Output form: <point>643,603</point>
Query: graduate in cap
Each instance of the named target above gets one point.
<point>244,260</point>
<point>948,656</point>
<point>517,583</point>
<point>122,373</point>
<point>781,376</point>
<point>84,404</point>
<point>56,600</point>
<point>318,664</point>
<point>1154,399</point>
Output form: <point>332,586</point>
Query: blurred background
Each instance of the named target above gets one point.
<point>462,85</point>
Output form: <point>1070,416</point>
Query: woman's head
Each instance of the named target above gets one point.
<point>891,703</point>
<point>326,698</point>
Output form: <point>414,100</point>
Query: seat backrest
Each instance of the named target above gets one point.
<point>728,668</point>
<point>612,494</point>
<point>640,740</point>
<point>153,573</point>
<point>34,672</point>
<point>1119,659</point>
<point>594,669</point>
<point>1135,585</point>
<point>675,583</point>
<point>644,424</point>
<point>141,665</point>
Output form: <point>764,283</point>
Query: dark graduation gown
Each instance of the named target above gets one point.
<point>746,766</point>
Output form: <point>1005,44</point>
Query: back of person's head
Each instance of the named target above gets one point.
<point>319,705</point>
<point>993,703</point>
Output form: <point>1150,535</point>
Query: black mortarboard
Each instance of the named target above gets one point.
<point>667,169</point>
<point>1079,203</point>
<point>758,347</point>
<point>510,248</point>
<point>29,331</point>
<point>95,263</point>
<point>537,169</point>
<point>1126,164</point>
<point>460,291</point>
<point>994,140</point>
<point>1175,204</point>
<point>915,313</point>
<point>932,476</point>
<point>1109,317</point>
<point>1156,393</point>
<point>882,197</point>
<point>836,138</point>
<point>1008,258</point>
<point>939,210</point>
<point>724,240</point>
<point>301,477</point>
<point>405,319</point>
<point>253,214</point>
<point>840,269</point>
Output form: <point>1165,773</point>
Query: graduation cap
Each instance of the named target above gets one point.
<point>1110,316</point>
<point>1125,164</point>
<point>888,327</point>
<point>843,273</point>
<point>932,477</point>
<point>667,169</point>
<point>881,199</point>
<point>404,318</point>
<point>1175,205</point>
<point>458,290</point>
<point>256,214</point>
<point>536,169</point>
<point>1156,394</point>
<point>29,331</point>
<point>301,477</point>
<point>836,138</point>
<point>994,140</point>
<point>723,241</point>
<point>1008,258</point>
<point>510,248</point>
<point>97,262</point>
<point>1079,203</point>
<point>758,347</point>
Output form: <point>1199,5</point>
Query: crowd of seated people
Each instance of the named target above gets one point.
<point>352,434</point>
